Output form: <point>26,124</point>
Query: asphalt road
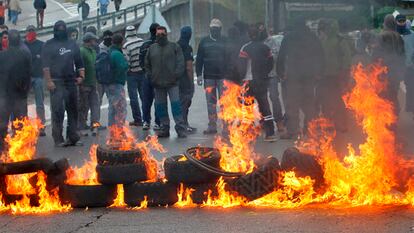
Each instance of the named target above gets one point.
<point>309,219</point>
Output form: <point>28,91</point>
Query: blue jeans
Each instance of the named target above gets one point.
<point>14,15</point>
<point>104,9</point>
<point>37,84</point>
<point>213,88</point>
<point>64,98</point>
<point>135,84</point>
<point>117,104</point>
<point>147,101</point>
<point>161,106</point>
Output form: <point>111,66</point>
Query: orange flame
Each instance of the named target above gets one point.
<point>119,200</point>
<point>85,175</point>
<point>184,198</point>
<point>142,205</point>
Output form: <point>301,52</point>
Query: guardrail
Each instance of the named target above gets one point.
<point>116,20</point>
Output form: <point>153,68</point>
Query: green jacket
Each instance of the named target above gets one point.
<point>89,58</point>
<point>119,65</point>
<point>164,64</point>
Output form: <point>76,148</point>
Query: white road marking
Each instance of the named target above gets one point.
<point>63,8</point>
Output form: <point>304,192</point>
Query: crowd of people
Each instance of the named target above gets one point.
<point>311,68</point>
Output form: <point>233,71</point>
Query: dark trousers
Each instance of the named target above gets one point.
<point>117,4</point>
<point>300,95</point>
<point>258,89</point>
<point>186,97</point>
<point>1,20</point>
<point>11,108</point>
<point>134,83</point>
<point>161,106</point>
<point>64,98</point>
<point>88,100</point>
<point>40,14</point>
<point>147,101</point>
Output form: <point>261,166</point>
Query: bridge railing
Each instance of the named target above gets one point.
<point>110,21</point>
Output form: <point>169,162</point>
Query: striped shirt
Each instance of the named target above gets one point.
<point>131,50</point>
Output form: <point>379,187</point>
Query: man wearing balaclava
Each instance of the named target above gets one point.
<point>211,68</point>
<point>408,37</point>
<point>186,80</point>
<point>147,88</point>
<point>63,70</point>
<point>164,64</point>
<point>136,75</point>
<point>15,78</point>
<point>35,46</point>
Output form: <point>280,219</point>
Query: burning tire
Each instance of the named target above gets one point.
<point>157,193</point>
<point>29,166</point>
<point>303,165</point>
<point>260,182</point>
<point>201,191</point>
<point>180,170</point>
<point>111,156</point>
<point>81,196</point>
<point>121,174</point>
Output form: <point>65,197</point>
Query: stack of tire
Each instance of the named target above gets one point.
<point>114,167</point>
<point>179,170</point>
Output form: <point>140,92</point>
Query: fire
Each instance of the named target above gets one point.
<point>121,138</point>
<point>142,205</point>
<point>119,200</point>
<point>22,147</point>
<point>152,165</point>
<point>85,175</point>
<point>225,199</point>
<point>184,198</point>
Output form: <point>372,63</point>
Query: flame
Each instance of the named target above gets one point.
<point>184,197</point>
<point>224,199</point>
<point>142,205</point>
<point>119,200</point>
<point>85,175</point>
<point>22,147</point>
<point>121,138</point>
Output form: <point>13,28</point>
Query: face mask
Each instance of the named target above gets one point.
<point>215,32</point>
<point>107,42</point>
<point>60,35</point>
<point>4,43</point>
<point>31,36</point>
<point>161,39</point>
<point>402,29</point>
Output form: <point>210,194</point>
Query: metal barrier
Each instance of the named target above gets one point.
<point>117,20</point>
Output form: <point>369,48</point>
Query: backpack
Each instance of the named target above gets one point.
<point>103,68</point>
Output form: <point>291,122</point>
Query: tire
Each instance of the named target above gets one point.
<point>303,165</point>
<point>200,193</point>
<point>157,193</point>
<point>112,156</point>
<point>28,166</point>
<point>121,174</point>
<point>187,173</point>
<point>260,182</point>
<point>12,198</point>
<point>81,196</point>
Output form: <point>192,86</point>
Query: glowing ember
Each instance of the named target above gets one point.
<point>119,200</point>
<point>85,175</point>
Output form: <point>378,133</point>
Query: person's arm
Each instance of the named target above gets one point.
<point>179,61</point>
<point>200,59</point>
<point>46,62</point>
<point>242,64</point>
<point>148,67</point>
<point>269,59</point>
<point>79,65</point>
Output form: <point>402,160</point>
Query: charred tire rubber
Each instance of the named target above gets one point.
<point>185,172</point>
<point>81,196</point>
<point>111,156</point>
<point>303,165</point>
<point>257,184</point>
<point>157,193</point>
<point>121,174</point>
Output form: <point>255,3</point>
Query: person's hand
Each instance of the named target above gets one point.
<point>51,86</point>
<point>199,80</point>
<point>79,80</point>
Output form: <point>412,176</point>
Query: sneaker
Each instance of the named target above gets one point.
<point>181,135</point>
<point>191,130</point>
<point>61,144</point>
<point>163,134</point>
<point>42,133</point>
<point>210,131</point>
<point>280,126</point>
<point>135,123</point>
<point>270,138</point>
<point>146,126</point>
<point>94,131</point>
<point>156,127</point>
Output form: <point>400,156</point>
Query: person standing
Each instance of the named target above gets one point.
<point>35,47</point>
<point>114,87</point>
<point>40,6</point>
<point>84,9</point>
<point>136,75</point>
<point>164,63</point>
<point>103,6</point>
<point>148,89</point>
<point>211,67</point>
<point>88,94</point>
<point>299,83</point>
<point>186,80</point>
<point>104,47</point>
<point>15,10</point>
<point>117,6</point>
<point>2,12</point>
<point>256,62</point>
<point>335,78</point>
<point>15,78</point>
<point>61,56</point>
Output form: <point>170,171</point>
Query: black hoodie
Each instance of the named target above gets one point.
<point>61,55</point>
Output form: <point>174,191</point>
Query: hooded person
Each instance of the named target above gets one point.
<point>63,70</point>
<point>35,46</point>
<point>211,66</point>
<point>147,88</point>
<point>136,75</point>
<point>335,76</point>
<point>15,78</point>
<point>186,80</point>
<point>389,23</point>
